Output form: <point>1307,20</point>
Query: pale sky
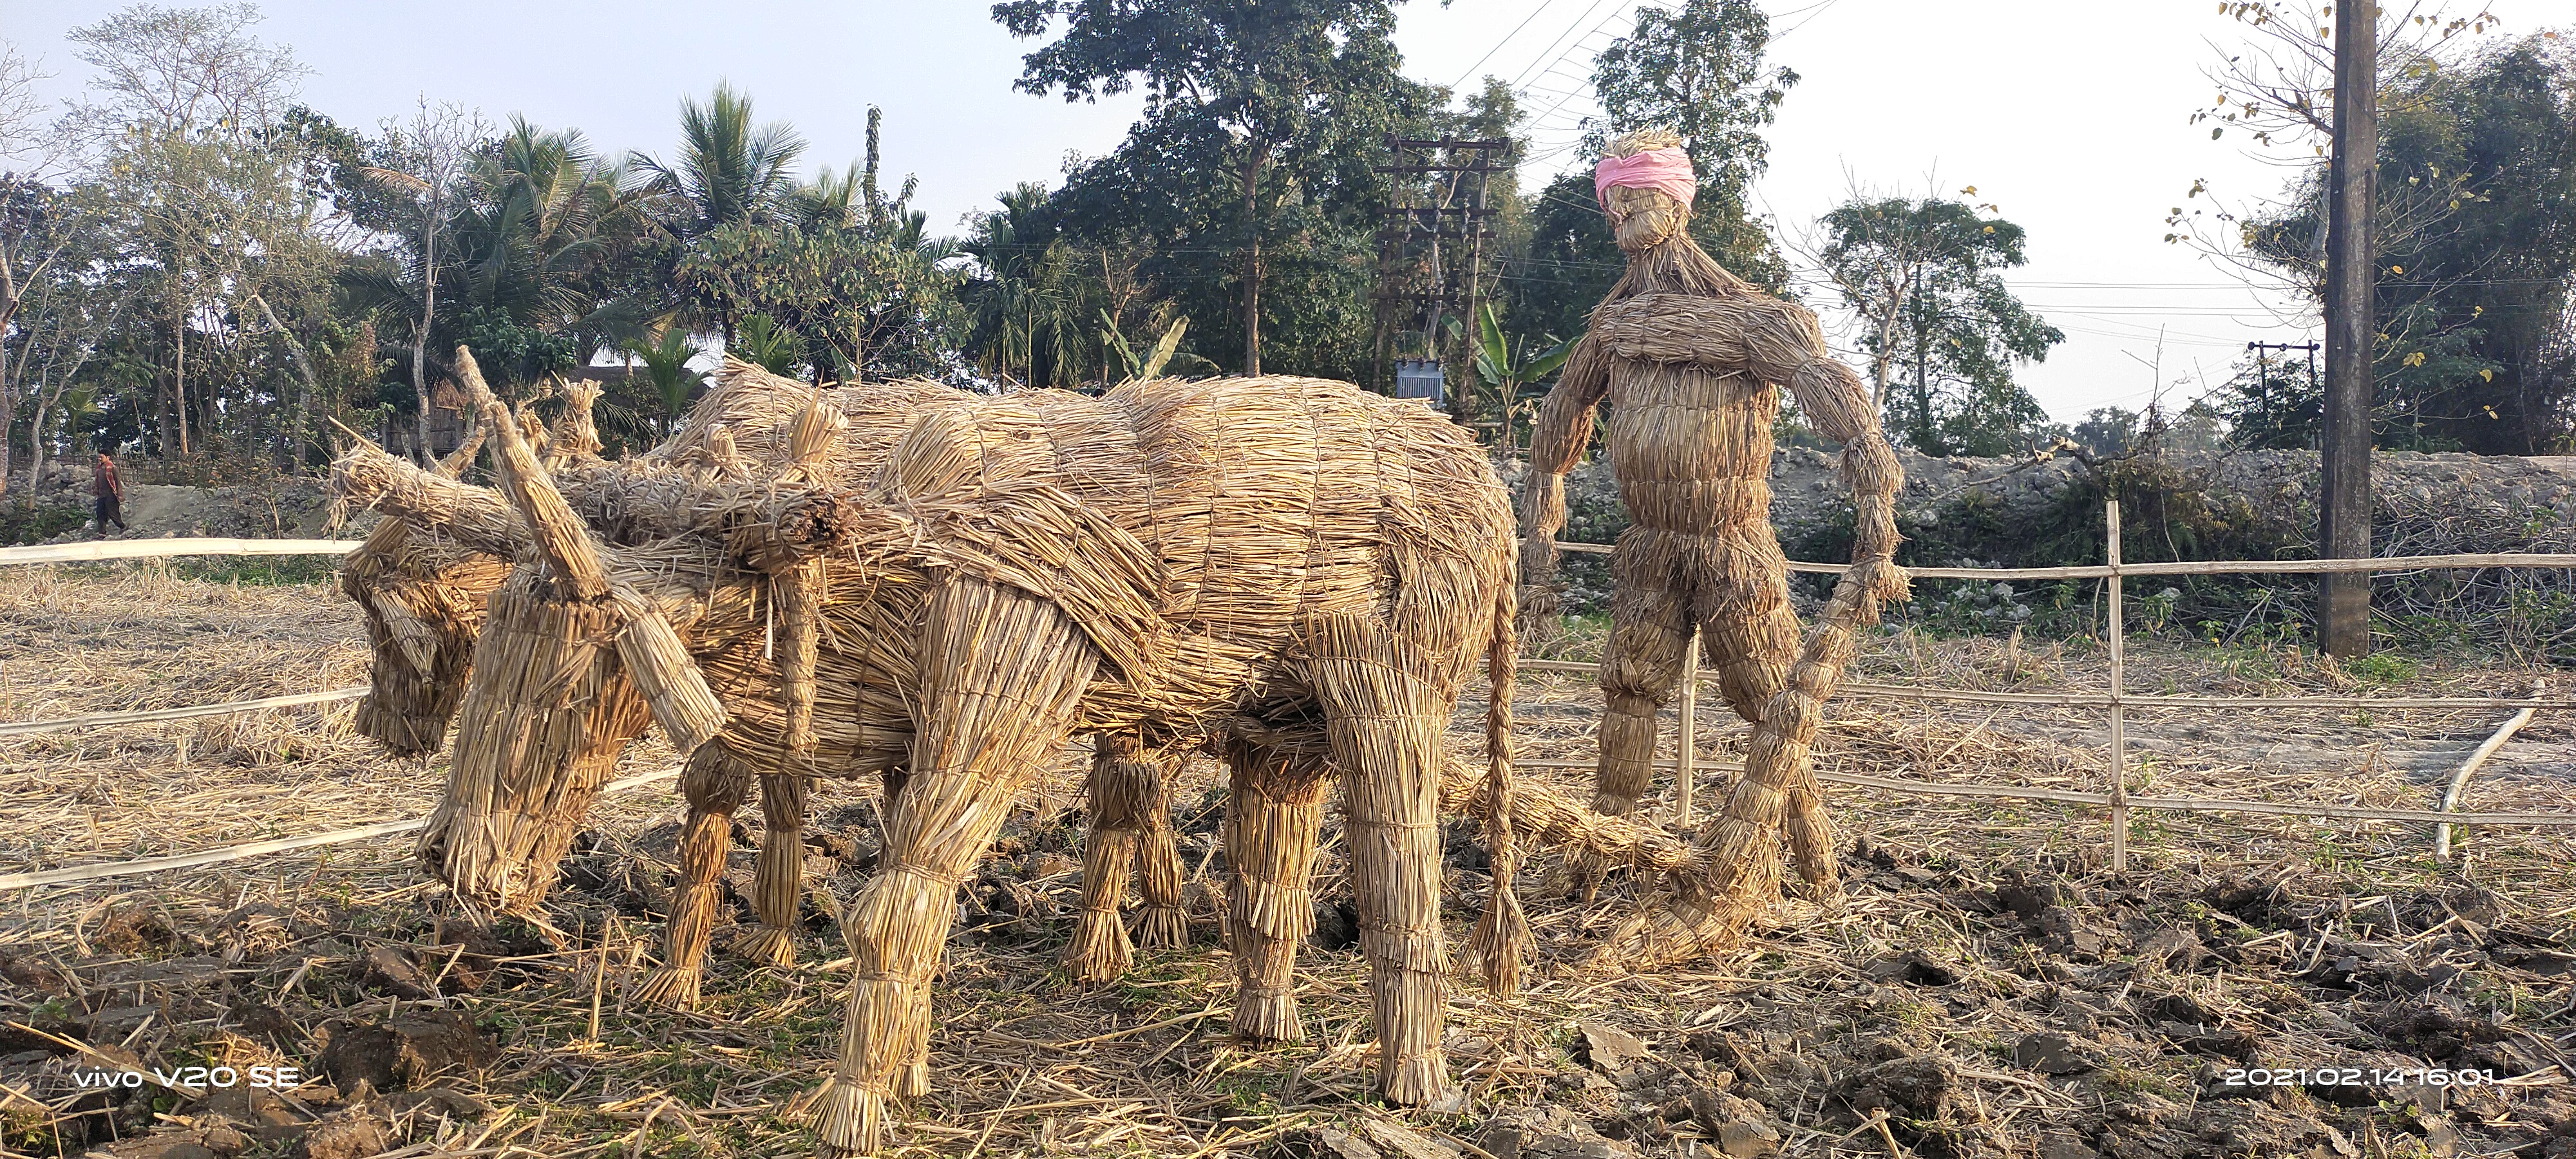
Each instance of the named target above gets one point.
<point>2070,116</point>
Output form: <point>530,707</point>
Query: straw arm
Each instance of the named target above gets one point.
<point>1557,439</point>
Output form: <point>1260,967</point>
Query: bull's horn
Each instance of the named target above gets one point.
<point>560,535</point>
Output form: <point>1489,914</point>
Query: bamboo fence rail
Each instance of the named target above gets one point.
<point>2117,700</point>
<point>95,720</point>
<point>157,548</point>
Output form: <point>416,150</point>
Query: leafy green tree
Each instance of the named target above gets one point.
<point>1942,330</point>
<point>2476,237</point>
<point>1261,122</point>
<point>1698,71</point>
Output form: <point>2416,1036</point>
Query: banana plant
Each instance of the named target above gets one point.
<point>1163,354</point>
<point>1507,366</point>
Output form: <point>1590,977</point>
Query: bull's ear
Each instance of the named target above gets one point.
<point>688,711</point>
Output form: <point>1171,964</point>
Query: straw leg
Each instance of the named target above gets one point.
<point>1118,790</point>
<point>778,889</point>
<point>1165,922</point>
<point>715,785</point>
<point>1386,725</point>
<point>1272,820</point>
<point>1752,634</point>
<point>1649,627</point>
<point>1001,674</point>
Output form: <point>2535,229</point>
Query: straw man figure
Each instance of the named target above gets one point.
<point>1690,358</point>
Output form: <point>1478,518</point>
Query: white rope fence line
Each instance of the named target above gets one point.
<point>97,871</point>
<point>95,720</point>
<point>99,549</point>
<point>133,549</point>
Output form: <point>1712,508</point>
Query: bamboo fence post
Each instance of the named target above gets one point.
<point>1683,771</point>
<point>2119,666</point>
<point>2460,780</point>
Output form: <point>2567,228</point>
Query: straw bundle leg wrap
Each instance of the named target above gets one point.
<point>1000,676</point>
<point>1272,821</point>
<point>1641,664</point>
<point>1710,911</point>
<point>778,888</point>
<point>1386,722</point>
<point>1124,789</point>
<point>715,786</point>
<point>541,731</point>
<point>1099,950</point>
<point>1164,924</point>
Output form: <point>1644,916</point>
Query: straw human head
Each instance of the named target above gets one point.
<point>1644,184</point>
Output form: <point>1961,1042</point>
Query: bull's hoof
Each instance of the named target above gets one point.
<point>1268,1017</point>
<point>1419,1081</point>
<point>848,1120</point>
<point>675,987</point>
<point>1099,951</point>
<point>769,946</point>
<point>1163,927</point>
<point>1612,804</point>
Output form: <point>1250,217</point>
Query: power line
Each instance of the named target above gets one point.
<point>1498,45</point>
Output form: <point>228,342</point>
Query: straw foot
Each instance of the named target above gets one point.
<point>1099,951</point>
<point>671,987</point>
<point>849,1120</point>
<point>769,946</point>
<point>1163,927</point>
<point>1267,1017</point>
<point>912,1081</point>
<point>1419,1081</point>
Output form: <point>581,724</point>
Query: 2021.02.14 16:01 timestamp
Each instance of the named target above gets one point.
<point>2352,1076</point>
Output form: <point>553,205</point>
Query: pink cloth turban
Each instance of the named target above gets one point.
<point>1666,171</point>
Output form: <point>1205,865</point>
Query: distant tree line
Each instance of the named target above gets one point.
<point>198,268</point>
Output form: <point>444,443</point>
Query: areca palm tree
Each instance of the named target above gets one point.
<point>666,368</point>
<point>1031,315</point>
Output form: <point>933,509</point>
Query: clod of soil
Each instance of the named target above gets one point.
<point>405,1052</point>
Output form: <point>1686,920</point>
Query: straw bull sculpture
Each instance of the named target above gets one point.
<point>1297,575</point>
<point>423,576</point>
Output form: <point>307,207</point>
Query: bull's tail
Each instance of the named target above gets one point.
<point>1502,939</point>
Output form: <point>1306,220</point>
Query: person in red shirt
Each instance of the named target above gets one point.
<point>109,492</point>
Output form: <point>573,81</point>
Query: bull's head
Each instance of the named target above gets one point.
<point>577,652</point>
<point>568,668</point>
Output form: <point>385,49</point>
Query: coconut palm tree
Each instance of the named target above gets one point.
<point>727,171</point>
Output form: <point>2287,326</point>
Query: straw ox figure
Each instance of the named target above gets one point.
<point>1294,574</point>
<point>1690,360</point>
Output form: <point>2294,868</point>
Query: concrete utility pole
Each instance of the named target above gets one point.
<point>2343,511</point>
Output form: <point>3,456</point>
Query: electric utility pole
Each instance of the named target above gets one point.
<point>1440,196</point>
<point>2343,510</point>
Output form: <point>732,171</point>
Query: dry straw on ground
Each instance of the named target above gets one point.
<point>1032,1064</point>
